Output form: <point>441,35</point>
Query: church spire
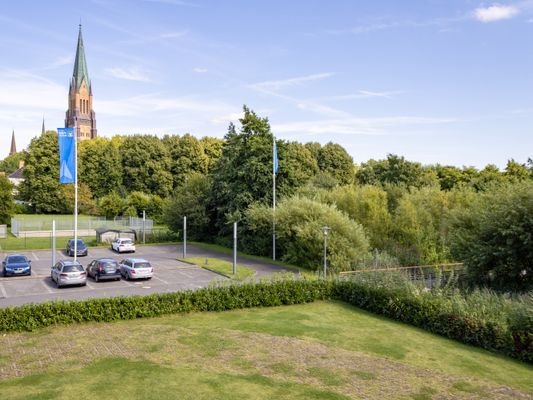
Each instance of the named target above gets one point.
<point>13,145</point>
<point>80,65</point>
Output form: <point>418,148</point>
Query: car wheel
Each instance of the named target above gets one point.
<point>57,284</point>
<point>96,278</point>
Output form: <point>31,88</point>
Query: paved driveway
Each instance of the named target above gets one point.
<point>170,275</point>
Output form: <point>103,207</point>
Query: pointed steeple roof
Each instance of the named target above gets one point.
<point>13,145</point>
<point>80,65</point>
<point>43,130</point>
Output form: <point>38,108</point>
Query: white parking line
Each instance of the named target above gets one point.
<point>3,290</point>
<point>90,286</point>
<point>159,279</point>
<point>46,287</point>
<point>34,256</point>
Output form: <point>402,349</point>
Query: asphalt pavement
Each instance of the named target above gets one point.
<point>170,275</point>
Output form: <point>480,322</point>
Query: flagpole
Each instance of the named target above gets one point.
<point>75,193</point>
<point>274,200</point>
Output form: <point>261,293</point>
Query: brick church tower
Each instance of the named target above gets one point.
<point>80,114</point>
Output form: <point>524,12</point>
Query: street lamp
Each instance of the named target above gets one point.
<point>325,230</point>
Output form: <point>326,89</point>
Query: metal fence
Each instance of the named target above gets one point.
<point>42,226</point>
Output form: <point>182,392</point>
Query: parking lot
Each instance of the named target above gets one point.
<point>170,275</point>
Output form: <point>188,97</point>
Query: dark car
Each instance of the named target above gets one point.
<point>104,269</point>
<point>16,264</point>
<point>81,248</point>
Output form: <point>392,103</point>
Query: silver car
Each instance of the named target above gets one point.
<point>66,273</point>
<point>136,268</point>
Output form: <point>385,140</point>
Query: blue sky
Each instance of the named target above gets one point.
<point>437,81</point>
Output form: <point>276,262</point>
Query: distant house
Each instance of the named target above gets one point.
<point>17,177</point>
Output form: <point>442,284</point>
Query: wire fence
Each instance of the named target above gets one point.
<point>31,226</point>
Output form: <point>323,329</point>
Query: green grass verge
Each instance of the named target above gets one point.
<point>223,267</point>
<point>226,250</point>
<point>321,350</point>
<point>12,243</point>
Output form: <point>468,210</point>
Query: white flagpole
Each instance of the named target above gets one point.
<point>75,193</point>
<point>274,200</point>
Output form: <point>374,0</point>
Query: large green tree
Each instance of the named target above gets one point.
<point>190,200</point>
<point>335,160</point>
<point>7,206</point>
<point>243,174</point>
<point>494,237</point>
<point>41,188</point>
<point>99,166</point>
<point>145,165</point>
<point>187,157</point>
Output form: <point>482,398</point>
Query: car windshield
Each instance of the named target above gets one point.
<point>16,259</point>
<point>72,268</point>
<point>142,265</point>
<point>80,243</point>
<point>110,264</point>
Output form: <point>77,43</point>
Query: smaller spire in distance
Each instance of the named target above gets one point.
<point>13,145</point>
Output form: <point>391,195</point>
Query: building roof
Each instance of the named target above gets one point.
<point>17,174</point>
<point>80,72</point>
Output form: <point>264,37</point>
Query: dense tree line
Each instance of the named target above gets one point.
<point>393,210</point>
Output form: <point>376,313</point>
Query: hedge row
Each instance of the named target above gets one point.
<point>217,298</point>
<point>509,332</point>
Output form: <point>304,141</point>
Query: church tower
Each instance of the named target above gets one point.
<point>80,114</point>
<point>13,144</point>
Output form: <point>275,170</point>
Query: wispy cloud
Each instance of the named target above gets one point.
<point>200,70</point>
<point>297,81</point>
<point>495,12</point>
<point>174,3</point>
<point>130,74</point>
<point>357,126</point>
<point>363,94</point>
<point>173,35</point>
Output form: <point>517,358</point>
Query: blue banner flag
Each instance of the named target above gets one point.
<point>275,166</point>
<point>67,155</point>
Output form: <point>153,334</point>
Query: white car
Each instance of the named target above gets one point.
<point>136,268</point>
<point>121,245</point>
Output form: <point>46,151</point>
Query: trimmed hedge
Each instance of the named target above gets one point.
<point>501,326</point>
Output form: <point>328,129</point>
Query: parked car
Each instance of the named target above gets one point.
<point>104,269</point>
<point>81,248</point>
<point>16,264</point>
<point>66,273</point>
<point>136,268</point>
<point>121,245</point>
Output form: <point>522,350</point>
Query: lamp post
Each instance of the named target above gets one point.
<point>325,230</point>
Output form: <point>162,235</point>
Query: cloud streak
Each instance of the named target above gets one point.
<point>495,12</point>
<point>129,74</point>
<point>297,81</point>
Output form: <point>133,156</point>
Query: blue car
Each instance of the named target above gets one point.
<point>16,264</point>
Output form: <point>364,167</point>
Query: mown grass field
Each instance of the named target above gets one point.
<point>223,267</point>
<point>323,350</point>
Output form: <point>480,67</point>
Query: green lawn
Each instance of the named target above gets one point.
<point>323,350</point>
<point>226,250</point>
<point>223,267</point>
<point>12,243</point>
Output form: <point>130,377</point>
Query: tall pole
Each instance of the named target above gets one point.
<point>53,242</point>
<point>76,193</point>
<point>325,231</point>
<point>144,226</point>
<point>234,248</point>
<point>184,237</point>
<point>274,162</point>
